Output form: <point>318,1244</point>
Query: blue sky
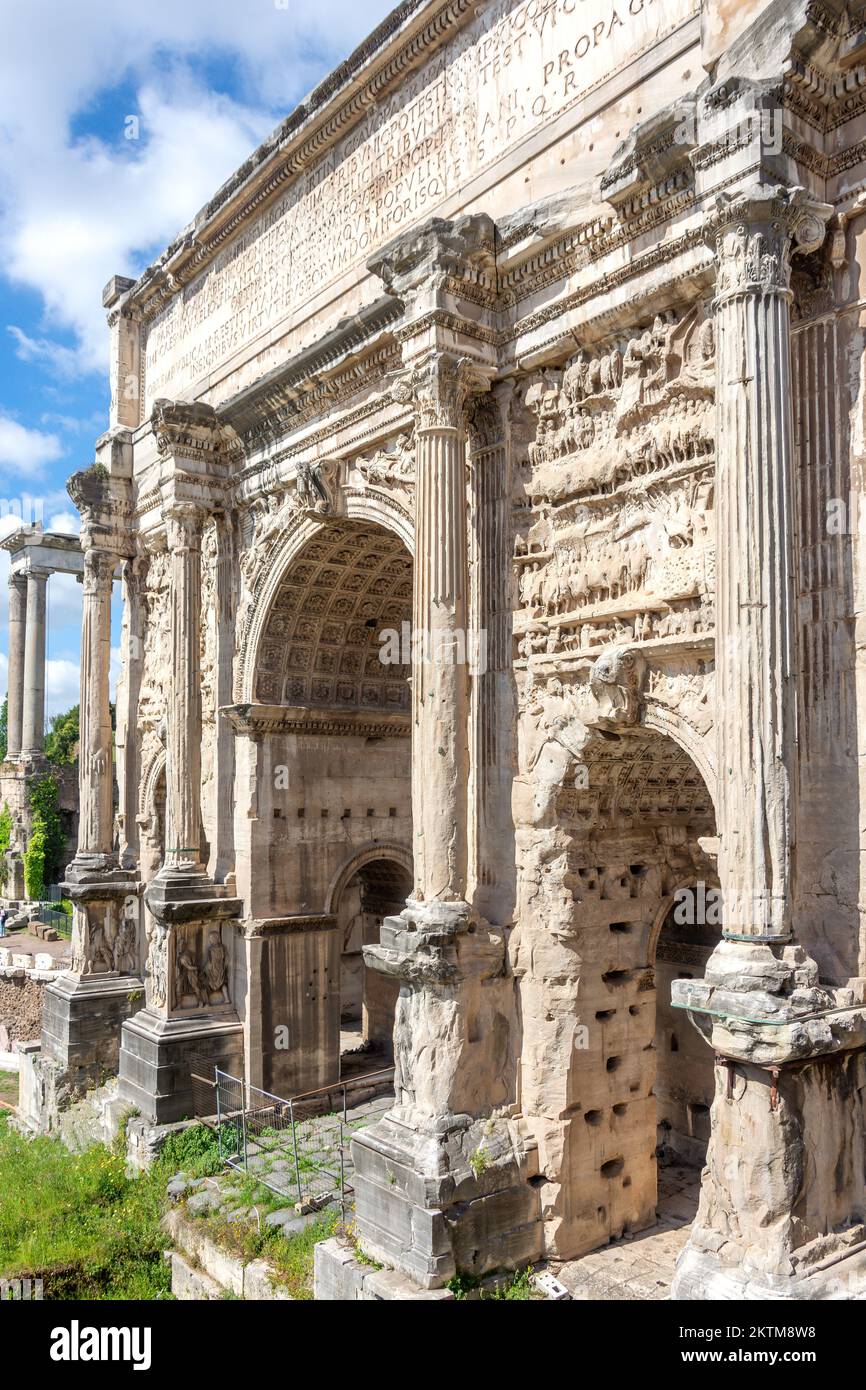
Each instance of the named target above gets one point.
<point>80,201</point>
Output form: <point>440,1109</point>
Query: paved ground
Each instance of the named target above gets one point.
<point>640,1267</point>
<point>24,943</point>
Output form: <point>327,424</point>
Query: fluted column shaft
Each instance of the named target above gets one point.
<point>183,758</point>
<point>95,826</point>
<point>15,684</point>
<point>491,709</point>
<point>440,694</point>
<point>33,719</point>
<point>755,537</point>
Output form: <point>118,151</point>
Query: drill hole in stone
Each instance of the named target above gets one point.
<point>593,1117</point>
<point>614,978</point>
<point>613,1063</point>
<point>612,1168</point>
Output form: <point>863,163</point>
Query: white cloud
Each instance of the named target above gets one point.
<point>67,522</point>
<point>79,209</point>
<point>61,685</point>
<point>64,361</point>
<point>24,450</point>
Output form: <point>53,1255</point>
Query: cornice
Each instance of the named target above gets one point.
<point>313,720</point>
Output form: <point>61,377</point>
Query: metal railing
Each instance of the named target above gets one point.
<point>299,1148</point>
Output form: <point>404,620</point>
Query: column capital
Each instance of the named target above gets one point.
<point>99,568</point>
<point>17,579</point>
<point>755,231</point>
<point>184,523</point>
<point>438,387</point>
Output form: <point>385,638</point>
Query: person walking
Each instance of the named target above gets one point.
<point>3,915</point>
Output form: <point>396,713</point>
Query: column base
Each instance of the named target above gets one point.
<point>783,1194</point>
<point>157,1056</point>
<point>437,1205</point>
<point>443,1182</point>
<point>82,1016</point>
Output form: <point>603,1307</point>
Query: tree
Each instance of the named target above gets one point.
<point>46,844</point>
<point>4,729</point>
<point>61,741</point>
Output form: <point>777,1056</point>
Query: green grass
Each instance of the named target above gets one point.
<point>79,1222</point>
<point>290,1256</point>
<point>9,1087</point>
<point>91,1232</point>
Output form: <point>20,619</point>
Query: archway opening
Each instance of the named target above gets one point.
<point>330,712</point>
<point>685,1074</point>
<point>367,998</point>
<point>630,821</point>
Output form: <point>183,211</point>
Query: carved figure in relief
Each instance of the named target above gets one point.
<point>391,467</point>
<point>315,486</point>
<point>189,981</point>
<point>615,682</point>
<point>124,948</point>
<point>156,969</point>
<point>216,968</point>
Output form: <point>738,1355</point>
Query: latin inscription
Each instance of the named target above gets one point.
<point>516,67</point>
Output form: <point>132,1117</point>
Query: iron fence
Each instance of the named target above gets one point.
<point>299,1148</point>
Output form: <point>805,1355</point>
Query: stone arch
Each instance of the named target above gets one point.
<point>629,820</point>
<point>670,723</point>
<point>372,886</point>
<point>398,854</point>
<point>362,506</point>
<point>154,769</point>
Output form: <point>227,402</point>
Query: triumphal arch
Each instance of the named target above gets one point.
<point>481,475</point>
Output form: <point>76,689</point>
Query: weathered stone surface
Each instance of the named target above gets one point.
<point>570,455</point>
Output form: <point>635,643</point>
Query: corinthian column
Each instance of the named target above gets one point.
<point>754,234</point>
<point>183,757</point>
<point>17,629</point>
<point>781,1038</point>
<point>95,826</point>
<point>33,719</point>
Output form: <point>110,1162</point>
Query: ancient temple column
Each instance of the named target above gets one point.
<point>17,629</point>
<point>85,1008</point>
<point>183,742</point>
<point>33,717</point>
<point>190,921</point>
<point>95,775</point>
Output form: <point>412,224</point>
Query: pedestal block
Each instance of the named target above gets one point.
<point>189,1024</point>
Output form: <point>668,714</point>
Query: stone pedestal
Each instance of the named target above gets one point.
<point>86,1007</point>
<point>443,1183</point>
<point>189,1023</point>
<point>783,1195</point>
